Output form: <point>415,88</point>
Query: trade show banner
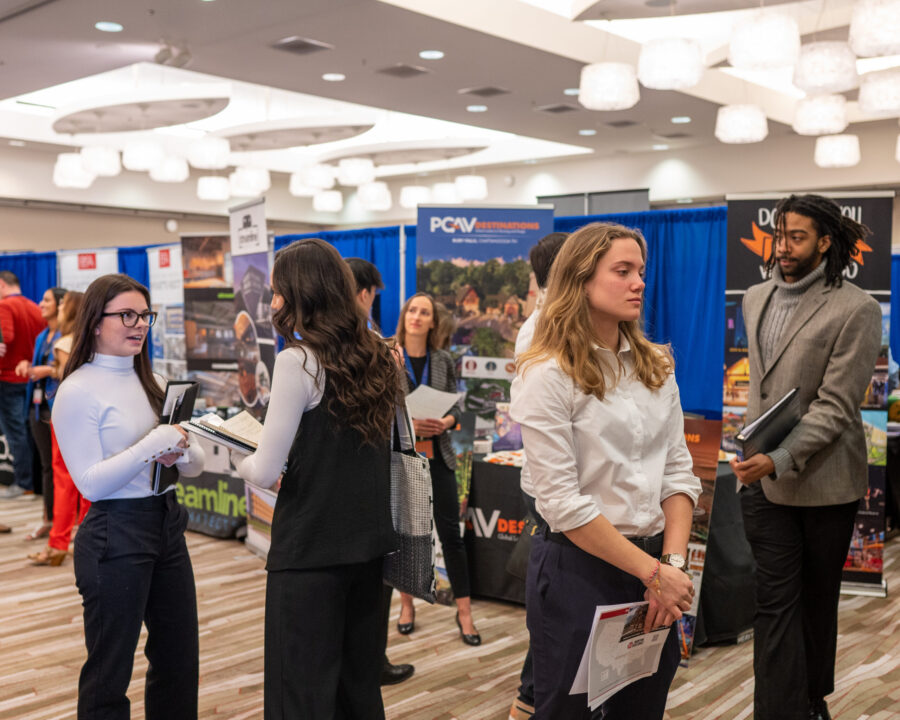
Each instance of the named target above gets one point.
<point>210,346</point>
<point>252,314</point>
<point>79,268</point>
<point>167,296</point>
<point>215,500</point>
<point>474,260</point>
<point>702,438</point>
<point>750,242</point>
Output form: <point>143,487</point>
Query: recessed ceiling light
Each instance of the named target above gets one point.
<point>107,26</point>
<point>660,146</point>
<point>587,131</point>
<point>571,91</point>
<point>476,108</point>
<point>334,77</point>
<point>680,120</point>
<point>17,143</point>
<point>431,54</point>
<point>684,201</point>
<point>530,161</point>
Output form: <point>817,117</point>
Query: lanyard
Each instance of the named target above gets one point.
<point>411,372</point>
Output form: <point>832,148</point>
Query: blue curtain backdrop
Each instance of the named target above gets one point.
<point>36,271</point>
<point>685,296</point>
<point>133,262</point>
<point>381,247</point>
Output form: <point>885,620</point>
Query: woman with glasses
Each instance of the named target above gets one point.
<point>131,561</point>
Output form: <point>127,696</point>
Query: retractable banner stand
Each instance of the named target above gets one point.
<point>474,260</point>
<point>750,239</point>
<point>79,268</point>
<point>215,499</point>
<point>702,438</point>
<point>252,313</point>
<point>167,296</point>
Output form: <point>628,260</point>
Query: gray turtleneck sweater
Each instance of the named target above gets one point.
<point>775,319</point>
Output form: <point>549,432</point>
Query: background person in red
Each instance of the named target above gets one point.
<point>20,323</point>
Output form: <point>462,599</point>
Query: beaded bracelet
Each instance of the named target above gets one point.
<point>654,580</point>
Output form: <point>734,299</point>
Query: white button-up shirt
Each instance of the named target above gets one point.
<point>619,457</point>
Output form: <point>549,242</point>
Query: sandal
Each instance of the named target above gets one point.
<point>48,556</point>
<point>41,531</point>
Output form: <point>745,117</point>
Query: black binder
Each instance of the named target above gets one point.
<point>768,430</point>
<point>177,407</point>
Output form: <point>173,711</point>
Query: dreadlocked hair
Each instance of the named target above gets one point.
<point>828,219</point>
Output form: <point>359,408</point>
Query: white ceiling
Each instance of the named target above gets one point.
<point>531,49</point>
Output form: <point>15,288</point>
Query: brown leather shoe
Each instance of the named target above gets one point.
<point>5,528</point>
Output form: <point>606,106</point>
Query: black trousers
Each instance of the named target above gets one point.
<point>446,522</point>
<point>526,677</point>
<point>131,567</point>
<point>323,653</point>
<point>564,586</point>
<point>40,431</point>
<point>800,553</point>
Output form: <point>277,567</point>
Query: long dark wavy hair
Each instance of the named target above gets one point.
<point>90,315</point>
<point>828,220</point>
<point>320,307</point>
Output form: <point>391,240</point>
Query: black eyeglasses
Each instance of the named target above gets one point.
<point>130,317</point>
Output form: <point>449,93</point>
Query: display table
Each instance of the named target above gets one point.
<point>494,520</point>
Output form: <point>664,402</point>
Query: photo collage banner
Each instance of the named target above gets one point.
<point>750,241</point>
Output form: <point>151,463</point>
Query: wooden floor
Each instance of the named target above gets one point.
<point>41,647</point>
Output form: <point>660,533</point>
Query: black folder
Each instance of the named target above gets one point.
<point>768,430</point>
<point>177,407</point>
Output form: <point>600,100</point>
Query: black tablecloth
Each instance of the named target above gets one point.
<point>494,520</point>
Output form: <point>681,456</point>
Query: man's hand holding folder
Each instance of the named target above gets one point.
<point>762,436</point>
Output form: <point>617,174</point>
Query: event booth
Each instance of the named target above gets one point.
<point>686,306</point>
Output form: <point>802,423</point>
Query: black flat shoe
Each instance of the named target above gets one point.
<point>818,710</point>
<point>407,628</point>
<point>393,674</point>
<point>473,639</point>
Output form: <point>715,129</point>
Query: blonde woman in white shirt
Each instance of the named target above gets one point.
<point>611,473</point>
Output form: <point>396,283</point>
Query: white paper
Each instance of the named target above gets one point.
<point>427,403</point>
<point>618,652</point>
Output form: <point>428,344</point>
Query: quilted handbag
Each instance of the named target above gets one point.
<point>411,568</point>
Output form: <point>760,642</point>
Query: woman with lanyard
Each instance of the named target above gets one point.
<point>610,470</point>
<point>39,396</point>
<point>427,365</point>
<point>131,561</point>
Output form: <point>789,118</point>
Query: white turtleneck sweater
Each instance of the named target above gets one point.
<point>108,433</point>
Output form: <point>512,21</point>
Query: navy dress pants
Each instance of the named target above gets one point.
<point>564,586</point>
<point>132,567</point>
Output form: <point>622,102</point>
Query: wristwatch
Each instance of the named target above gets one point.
<point>675,560</point>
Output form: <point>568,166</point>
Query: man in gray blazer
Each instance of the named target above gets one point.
<point>809,329</point>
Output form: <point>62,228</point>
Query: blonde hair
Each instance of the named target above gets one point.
<point>564,331</point>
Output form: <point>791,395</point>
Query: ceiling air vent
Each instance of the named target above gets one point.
<point>674,135</point>
<point>485,91</point>
<point>300,45</point>
<point>403,71</point>
<point>621,123</point>
<point>557,108</point>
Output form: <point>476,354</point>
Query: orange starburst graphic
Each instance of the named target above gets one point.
<point>761,244</point>
<point>858,250</point>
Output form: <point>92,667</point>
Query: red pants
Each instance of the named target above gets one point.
<point>68,503</point>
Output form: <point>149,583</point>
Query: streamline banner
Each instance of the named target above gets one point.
<point>750,236</point>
